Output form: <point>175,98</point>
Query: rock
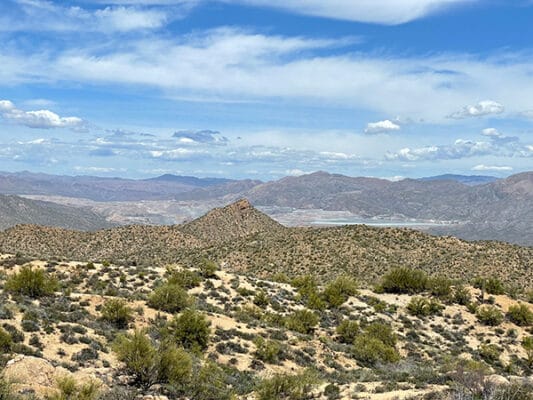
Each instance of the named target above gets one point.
<point>32,374</point>
<point>497,380</point>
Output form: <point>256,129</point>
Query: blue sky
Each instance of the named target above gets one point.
<point>263,89</point>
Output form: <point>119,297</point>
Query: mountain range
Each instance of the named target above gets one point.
<point>473,208</point>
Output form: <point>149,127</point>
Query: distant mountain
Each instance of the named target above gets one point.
<point>165,187</point>
<point>189,180</point>
<point>471,180</point>
<point>16,210</point>
<point>241,238</point>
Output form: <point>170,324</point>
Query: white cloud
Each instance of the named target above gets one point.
<point>294,172</point>
<point>491,132</point>
<point>486,107</point>
<point>483,167</point>
<point>40,119</point>
<point>128,19</point>
<point>381,127</point>
<point>375,11</point>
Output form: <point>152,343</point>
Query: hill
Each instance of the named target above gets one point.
<point>471,180</point>
<point>17,210</point>
<point>248,241</point>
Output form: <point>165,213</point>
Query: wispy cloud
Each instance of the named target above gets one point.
<point>483,167</point>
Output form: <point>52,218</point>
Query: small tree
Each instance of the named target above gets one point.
<point>32,282</point>
<point>170,298</point>
<point>117,312</point>
<point>190,329</point>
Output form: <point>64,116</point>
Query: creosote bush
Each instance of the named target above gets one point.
<point>117,312</point>
<point>491,285</point>
<point>32,282</point>
<point>170,298</point>
<point>377,344</point>
<point>404,280</point>
<point>288,387</point>
<point>347,331</point>
<point>190,330</point>
<point>520,314</point>
<point>339,290</point>
<point>302,321</point>
<point>186,279</point>
<point>423,307</point>
<point>150,364</point>
<point>68,389</point>
<point>489,315</point>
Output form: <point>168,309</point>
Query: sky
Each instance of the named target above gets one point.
<point>263,89</point>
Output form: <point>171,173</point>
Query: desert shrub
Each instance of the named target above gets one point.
<point>529,296</point>
<point>404,280</point>
<point>208,269</point>
<point>32,282</point>
<point>461,295</point>
<point>422,307</point>
<point>85,354</point>
<point>186,279</point>
<point>68,389</point>
<point>261,299</point>
<point>440,286</point>
<point>332,392</point>
<point>16,335</point>
<point>520,314</point>
<point>489,315</point>
<point>268,351</point>
<point>117,312</point>
<point>210,384</point>
<point>527,345</point>
<point>307,287</point>
<point>302,321</point>
<point>347,331</point>
<point>149,364</point>
<point>5,341</point>
<point>382,332</point>
<point>170,298</point>
<point>370,350</point>
<point>288,387</point>
<point>190,329</point>
<point>489,352</point>
<point>339,290</point>
<point>491,285</point>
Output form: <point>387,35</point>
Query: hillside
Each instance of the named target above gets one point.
<point>17,210</point>
<point>250,242</point>
<point>120,332</point>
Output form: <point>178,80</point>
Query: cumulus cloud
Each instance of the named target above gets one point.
<point>483,167</point>
<point>201,136</point>
<point>491,132</point>
<point>483,108</point>
<point>40,119</point>
<point>381,127</point>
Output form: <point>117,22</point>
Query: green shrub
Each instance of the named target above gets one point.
<point>190,330</point>
<point>369,351</point>
<point>461,295</point>
<point>208,269</point>
<point>307,287</point>
<point>440,286</point>
<point>422,307</point>
<point>338,291</point>
<point>520,314</point>
<point>117,312</point>
<point>210,384</point>
<point>489,315</point>
<point>490,352</point>
<point>69,389</point>
<point>527,345</point>
<point>186,279</point>
<point>149,364</point>
<point>287,387</point>
<point>347,331</point>
<point>404,280</point>
<point>32,282</point>
<point>491,285</point>
<point>5,341</point>
<point>261,299</point>
<point>268,351</point>
<point>382,332</point>
<point>170,298</point>
<point>302,321</point>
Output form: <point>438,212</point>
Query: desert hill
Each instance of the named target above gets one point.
<point>17,210</point>
<point>248,241</point>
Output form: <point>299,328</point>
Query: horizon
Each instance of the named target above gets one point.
<point>262,90</point>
